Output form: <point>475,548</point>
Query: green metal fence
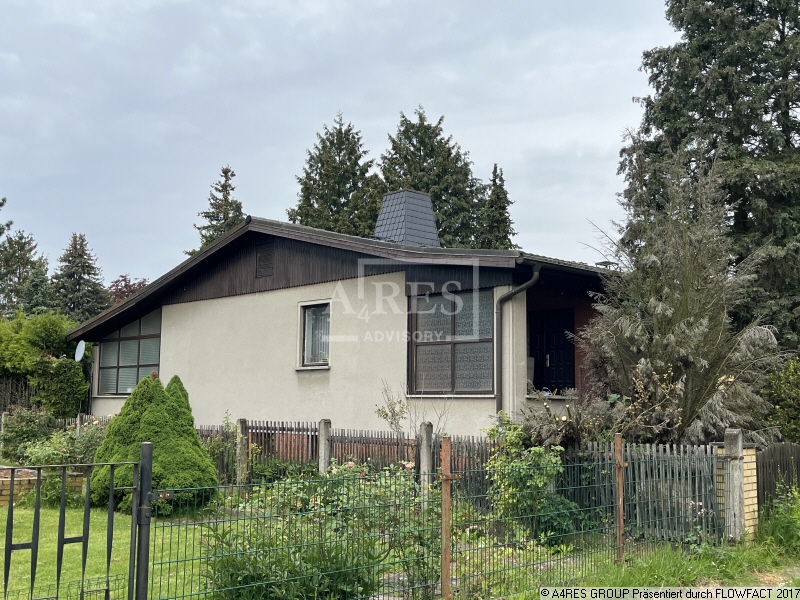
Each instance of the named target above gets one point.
<point>354,534</point>
<point>360,534</point>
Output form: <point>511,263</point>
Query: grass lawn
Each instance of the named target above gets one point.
<point>177,561</point>
<point>48,536</point>
<point>175,554</point>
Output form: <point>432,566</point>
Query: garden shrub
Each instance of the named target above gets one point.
<point>783,391</point>
<point>65,447</point>
<point>61,387</point>
<point>520,475</point>
<point>309,538</point>
<point>277,469</point>
<point>151,414</point>
<point>35,346</point>
<point>68,446</point>
<point>221,449</point>
<point>50,493</point>
<point>22,427</point>
<point>329,537</point>
<point>279,560</point>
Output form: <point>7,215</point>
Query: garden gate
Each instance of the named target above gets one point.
<point>35,482</point>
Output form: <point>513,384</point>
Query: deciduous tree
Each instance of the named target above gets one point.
<point>124,287</point>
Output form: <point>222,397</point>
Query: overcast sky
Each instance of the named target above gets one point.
<point>115,117</point>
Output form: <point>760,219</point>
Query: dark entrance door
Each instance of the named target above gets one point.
<point>553,353</point>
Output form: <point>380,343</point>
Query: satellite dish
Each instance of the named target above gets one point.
<point>79,351</point>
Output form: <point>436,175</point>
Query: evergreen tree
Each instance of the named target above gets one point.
<point>224,211</point>
<point>35,296</point>
<point>162,416</point>
<point>123,287</point>
<point>77,282</point>
<point>421,158</point>
<point>496,224</point>
<point>337,192</point>
<point>18,259</point>
<point>663,343</point>
<point>729,91</point>
<point>7,225</point>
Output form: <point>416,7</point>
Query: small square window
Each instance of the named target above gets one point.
<point>316,333</point>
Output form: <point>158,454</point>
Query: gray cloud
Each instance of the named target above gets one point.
<point>116,117</point>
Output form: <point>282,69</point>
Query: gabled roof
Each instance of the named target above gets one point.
<point>405,254</point>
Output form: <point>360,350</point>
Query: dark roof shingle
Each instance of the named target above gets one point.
<point>407,218</point>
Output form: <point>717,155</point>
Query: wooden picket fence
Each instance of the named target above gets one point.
<point>777,465</point>
<point>57,424</point>
<point>671,492</point>
<point>15,391</point>
<point>378,448</point>
<point>292,442</point>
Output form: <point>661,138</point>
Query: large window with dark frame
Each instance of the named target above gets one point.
<point>129,355</point>
<point>452,343</point>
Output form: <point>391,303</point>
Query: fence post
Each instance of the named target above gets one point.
<point>143,516</point>
<point>424,442</point>
<point>447,523</point>
<point>619,467</point>
<point>242,451</point>
<point>324,442</point>
<point>734,484</point>
<point>81,421</point>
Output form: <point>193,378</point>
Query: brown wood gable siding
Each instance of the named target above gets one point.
<point>295,263</point>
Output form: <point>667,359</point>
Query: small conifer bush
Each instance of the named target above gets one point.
<point>162,416</point>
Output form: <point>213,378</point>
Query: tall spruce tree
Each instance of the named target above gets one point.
<point>36,294</point>
<point>496,226</point>
<point>421,158</point>
<point>7,225</point>
<point>224,212</point>
<point>77,282</point>
<point>663,342</point>
<point>337,191</point>
<point>18,259</point>
<point>730,90</point>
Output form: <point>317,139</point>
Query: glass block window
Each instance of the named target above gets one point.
<point>130,354</point>
<point>316,333</point>
<point>452,341</point>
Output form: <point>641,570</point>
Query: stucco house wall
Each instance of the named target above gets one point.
<point>241,355</point>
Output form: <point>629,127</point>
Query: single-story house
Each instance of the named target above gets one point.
<point>282,322</point>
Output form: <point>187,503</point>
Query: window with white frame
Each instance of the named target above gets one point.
<point>452,343</point>
<point>316,334</point>
<point>129,355</point>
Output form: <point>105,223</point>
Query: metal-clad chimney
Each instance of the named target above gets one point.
<point>407,218</point>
